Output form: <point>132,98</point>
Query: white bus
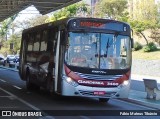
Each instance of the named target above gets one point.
<point>87,57</point>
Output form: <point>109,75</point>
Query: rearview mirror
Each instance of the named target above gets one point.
<point>132,43</point>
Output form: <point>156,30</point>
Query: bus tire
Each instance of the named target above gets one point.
<point>49,87</point>
<point>29,85</point>
<point>104,100</point>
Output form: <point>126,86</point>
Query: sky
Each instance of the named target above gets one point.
<point>27,13</point>
<point>31,11</point>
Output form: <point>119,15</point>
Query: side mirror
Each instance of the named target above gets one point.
<point>132,43</point>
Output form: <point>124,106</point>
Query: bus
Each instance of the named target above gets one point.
<point>86,57</point>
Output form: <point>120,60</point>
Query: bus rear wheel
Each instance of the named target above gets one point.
<point>104,100</point>
<point>49,83</point>
<point>29,85</point>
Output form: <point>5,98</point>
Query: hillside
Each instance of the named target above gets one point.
<point>146,55</point>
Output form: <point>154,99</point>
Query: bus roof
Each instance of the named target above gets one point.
<point>65,22</point>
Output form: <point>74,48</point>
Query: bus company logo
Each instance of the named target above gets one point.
<point>99,72</point>
<point>90,82</point>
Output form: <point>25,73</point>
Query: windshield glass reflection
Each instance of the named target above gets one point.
<point>98,50</point>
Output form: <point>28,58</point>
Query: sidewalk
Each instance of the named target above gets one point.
<point>138,97</point>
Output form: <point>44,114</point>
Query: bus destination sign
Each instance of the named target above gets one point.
<point>91,24</point>
<point>117,26</point>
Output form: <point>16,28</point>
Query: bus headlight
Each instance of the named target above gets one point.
<point>71,81</point>
<point>125,83</point>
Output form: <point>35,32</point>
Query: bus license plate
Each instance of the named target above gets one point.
<point>99,92</point>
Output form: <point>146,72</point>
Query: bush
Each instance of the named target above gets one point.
<point>150,47</point>
<point>137,46</point>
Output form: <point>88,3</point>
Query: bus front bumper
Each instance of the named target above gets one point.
<point>100,92</point>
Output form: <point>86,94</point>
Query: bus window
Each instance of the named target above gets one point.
<point>50,40</point>
<point>44,41</point>
<point>36,42</point>
<point>30,43</point>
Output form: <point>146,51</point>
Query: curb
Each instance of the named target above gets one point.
<point>142,103</point>
<point>13,69</point>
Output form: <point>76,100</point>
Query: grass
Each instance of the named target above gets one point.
<point>146,55</point>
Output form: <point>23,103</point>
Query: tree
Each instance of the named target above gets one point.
<point>112,9</point>
<point>143,16</point>
<point>5,25</point>
<point>155,35</point>
<point>37,20</point>
<point>139,27</point>
<point>73,10</point>
<point>144,10</point>
<point>16,40</point>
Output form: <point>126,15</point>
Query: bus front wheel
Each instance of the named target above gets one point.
<point>104,100</point>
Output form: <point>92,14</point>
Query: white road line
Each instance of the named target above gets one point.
<point>84,117</point>
<point>2,80</point>
<point>5,96</point>
<point>21,100</point>
<point>17,87</point>
<point>47,117</point>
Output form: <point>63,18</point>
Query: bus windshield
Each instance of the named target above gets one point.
<point>98,50</point>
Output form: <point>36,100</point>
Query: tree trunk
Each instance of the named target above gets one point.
<point>144,37</point>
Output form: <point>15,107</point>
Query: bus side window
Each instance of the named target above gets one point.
<point>37,42</point>
<point>30,55</point>
<point>30,42</point>
<point>43,46</point>
<point>50,40</point>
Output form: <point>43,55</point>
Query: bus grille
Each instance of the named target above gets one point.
<point>91,93</point>
<point>98,77</point>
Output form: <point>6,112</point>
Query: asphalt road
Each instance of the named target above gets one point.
<point>14,96</point>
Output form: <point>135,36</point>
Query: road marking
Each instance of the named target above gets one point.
<point>5,96</point>
<point>47,117</point>
<point>84,117</point>
<point>17,87</point>
<point>2,80</point>
<point>23,101</point>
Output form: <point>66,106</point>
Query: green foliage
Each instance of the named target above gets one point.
<point>37,20</point>
<point>16,40</point>
<point>137,46</point>
<point>144,10</point>
<point>69,11</point>
<point>155,35</point>
<point>143,15</point>
<point>4,51</point>
<point>5,25</point>
<point>139,26</point>
<point>111,8</point>
<point>150,47</point>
